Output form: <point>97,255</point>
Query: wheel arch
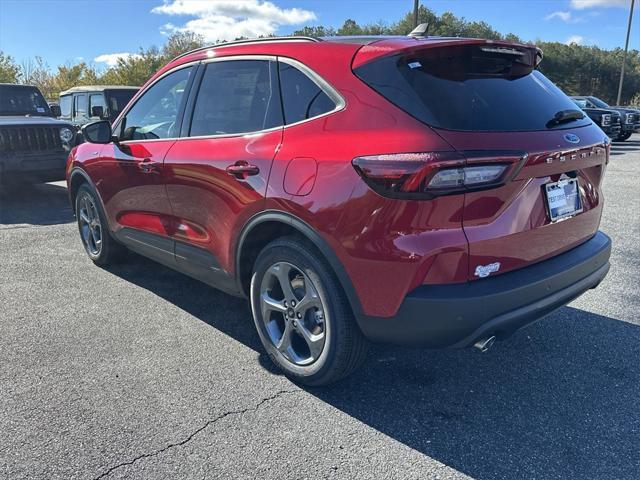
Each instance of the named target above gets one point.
<point>77,178</point>
<point>265,227</point>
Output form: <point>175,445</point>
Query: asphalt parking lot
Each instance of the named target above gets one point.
<point>140,372</point>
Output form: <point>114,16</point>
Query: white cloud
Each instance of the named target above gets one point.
<point>582,4</point>
<point>111,59</point>
<point>564,16</point>
<point>230,19</point>
<point>577,39</point>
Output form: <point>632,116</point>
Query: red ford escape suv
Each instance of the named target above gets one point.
<point>431,191</point>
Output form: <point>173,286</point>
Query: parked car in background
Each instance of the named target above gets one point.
<point>33,145</point>
<point>440,192</point>
<point>629,117</point>
<point>608,120</point>
<point>81,105</point>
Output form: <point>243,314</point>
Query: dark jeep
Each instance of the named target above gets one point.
<point>629,117</point>
<point>34,146</point>
<point>81,105</point>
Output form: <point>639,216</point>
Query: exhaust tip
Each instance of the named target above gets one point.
<point>485,344</point>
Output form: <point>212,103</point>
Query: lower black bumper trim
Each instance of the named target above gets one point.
<point>456,316</point>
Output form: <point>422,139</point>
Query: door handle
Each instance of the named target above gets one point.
<point>242,169</point>
<point>148,166</point>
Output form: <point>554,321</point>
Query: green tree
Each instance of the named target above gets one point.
<point>9,69</point>
<point>180,43</point>
<point>134,70</point>
<point>36,72</point>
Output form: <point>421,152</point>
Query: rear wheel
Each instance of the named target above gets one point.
<point>102,249</point>
<point>302,316</point>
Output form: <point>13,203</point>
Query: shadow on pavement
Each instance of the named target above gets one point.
<point>40,204</point>
<point>558,400</point>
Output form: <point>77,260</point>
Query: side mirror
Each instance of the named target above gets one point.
<point>97,132</point>
<point>97,111</point>
<point>55,110</point>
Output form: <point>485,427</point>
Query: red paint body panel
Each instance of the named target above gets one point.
<point>510,224</point>
<point>203,194</point>
<point>387,246</point>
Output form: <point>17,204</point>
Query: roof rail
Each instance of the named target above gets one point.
<point>250,40</point>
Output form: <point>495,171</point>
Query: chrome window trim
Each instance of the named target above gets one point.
<point>325,86</point>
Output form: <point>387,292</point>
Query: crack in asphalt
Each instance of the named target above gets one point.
<point>190,437</point>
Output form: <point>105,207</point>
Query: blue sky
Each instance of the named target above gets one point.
<point>98,31</point>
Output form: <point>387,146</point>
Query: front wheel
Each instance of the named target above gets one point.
<point>623,137</point>
<point>302,316</point>
<point>102,249</point>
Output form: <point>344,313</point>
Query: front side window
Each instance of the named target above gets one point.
<point>302,98</point>
<point>96,100</point>
<point>155,114</point>
<point>237,96</point>
<point>65,106</point>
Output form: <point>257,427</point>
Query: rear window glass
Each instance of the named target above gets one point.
<point>117,100</point>
<point>473,88</point>
<point>301,97</point>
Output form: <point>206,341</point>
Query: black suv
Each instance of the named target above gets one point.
<point>81,105</point>
<point>629,117</point>
<point>608,120</point>
<point>34,146</point>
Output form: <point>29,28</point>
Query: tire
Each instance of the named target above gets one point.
<point>623,137</point>
<point>310,333</point>
<point>96,239</point>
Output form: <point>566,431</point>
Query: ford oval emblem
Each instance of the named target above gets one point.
<point>571,138</point>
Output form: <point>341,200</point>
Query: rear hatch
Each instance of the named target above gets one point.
<point>492,105</point>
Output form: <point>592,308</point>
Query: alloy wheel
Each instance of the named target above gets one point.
<point>293,313</point>
<point>89,224</point>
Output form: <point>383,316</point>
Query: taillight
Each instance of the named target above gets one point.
<point>426,175</point>
<point>467,177</point>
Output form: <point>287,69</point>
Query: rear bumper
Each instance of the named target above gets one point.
<point>457,316</point>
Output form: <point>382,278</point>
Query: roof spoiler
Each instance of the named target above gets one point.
<point>420,31</point>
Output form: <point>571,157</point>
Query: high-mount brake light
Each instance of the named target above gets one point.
<point>426,175</point>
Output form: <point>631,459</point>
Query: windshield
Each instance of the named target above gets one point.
<point>470,88</point>
<point>18,100</point>
<point>117,100</point>
<point>598,103</point>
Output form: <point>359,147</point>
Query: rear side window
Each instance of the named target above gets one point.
<point>80,107</point>
<point>302,98</point>
<point>237,96</point>
<point>65,106</point>
<point>471,87</point>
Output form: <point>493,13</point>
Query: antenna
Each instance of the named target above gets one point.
<point>420,31</point>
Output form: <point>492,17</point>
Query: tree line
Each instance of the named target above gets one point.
<point>576,69</point>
